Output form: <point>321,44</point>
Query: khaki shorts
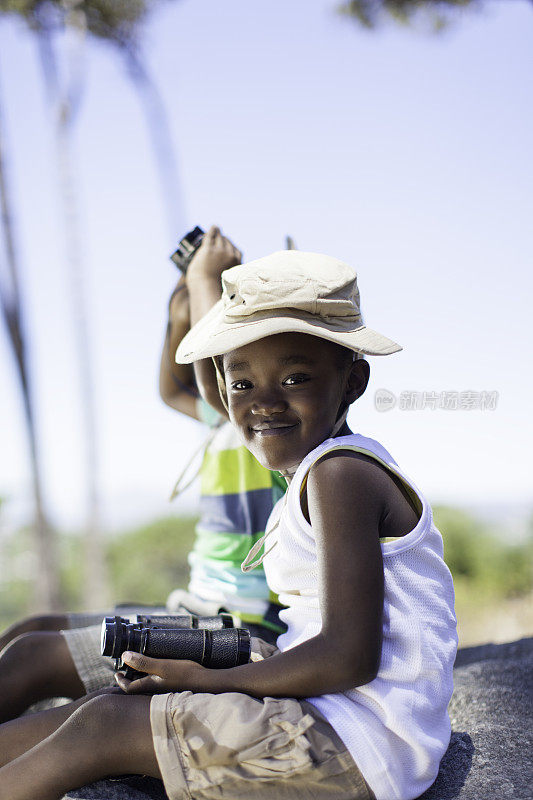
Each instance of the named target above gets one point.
<point>235,747</point>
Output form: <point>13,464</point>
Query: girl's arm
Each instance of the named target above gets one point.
<point>215,254</point>
<point>177,386</point>
<point>346,500</point>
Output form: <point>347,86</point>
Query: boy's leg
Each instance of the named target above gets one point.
<point>33,667</point>
<point>107,735</point>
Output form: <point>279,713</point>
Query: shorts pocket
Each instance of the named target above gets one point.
<point>233,738</point>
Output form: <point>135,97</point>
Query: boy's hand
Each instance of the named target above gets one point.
<point>215,254</point>
<point>164,675</point>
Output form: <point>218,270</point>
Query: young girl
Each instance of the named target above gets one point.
<point>351,551</point>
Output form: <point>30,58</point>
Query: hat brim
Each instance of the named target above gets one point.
<point>213,335</point>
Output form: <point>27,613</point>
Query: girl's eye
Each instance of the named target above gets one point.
<point>293,380</point>
<point>240,385</point>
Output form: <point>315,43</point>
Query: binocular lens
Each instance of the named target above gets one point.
<point>116,636</point>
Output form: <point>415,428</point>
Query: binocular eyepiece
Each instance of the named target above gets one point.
<point>187,247</point>
<point>210,641</point>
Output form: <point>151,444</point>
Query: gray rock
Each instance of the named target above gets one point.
<point>489,757</point>
<point>490,750</point>
<point>137,788</point>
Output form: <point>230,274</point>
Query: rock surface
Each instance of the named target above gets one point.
<point>490,753</point>
<point>489,757</point>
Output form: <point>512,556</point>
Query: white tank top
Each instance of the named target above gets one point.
<point>396,727</point>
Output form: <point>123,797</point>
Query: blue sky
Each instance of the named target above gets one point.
<point>408,156</point>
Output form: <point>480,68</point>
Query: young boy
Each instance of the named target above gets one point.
<point>352,552</point>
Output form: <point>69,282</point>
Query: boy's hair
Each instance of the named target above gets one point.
<point>286,292</point>
<point>345,357</point>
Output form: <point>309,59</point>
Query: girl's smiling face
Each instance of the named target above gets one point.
<point>285,393</point>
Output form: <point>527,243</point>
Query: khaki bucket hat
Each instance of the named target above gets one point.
<point>286,292</point>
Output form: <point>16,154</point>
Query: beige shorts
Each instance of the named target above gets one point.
<point>235,747</point>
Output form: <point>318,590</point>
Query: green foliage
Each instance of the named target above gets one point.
<point>16,568</point>
<point>71,571</point>
<point>476,557</point>
<point>147,563</point>
<point>372,13</point>
<point>117,21</point>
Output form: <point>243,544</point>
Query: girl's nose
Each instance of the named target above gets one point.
<point>269,403</point>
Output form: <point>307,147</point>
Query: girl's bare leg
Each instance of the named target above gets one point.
<point>36,666</point>
<point>20,735</point>
<point>108,735</point>
<point>42,622</point>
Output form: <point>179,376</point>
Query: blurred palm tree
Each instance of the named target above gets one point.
<point>70,22</point>
<point>46,586</point>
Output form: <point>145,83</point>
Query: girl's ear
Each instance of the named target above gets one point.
<point>357,380</point>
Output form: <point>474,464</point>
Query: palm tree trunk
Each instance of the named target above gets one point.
<point>162,144</point>
<point>46,594</point>
<point>65,100</point>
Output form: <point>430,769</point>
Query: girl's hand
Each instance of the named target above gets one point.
<point>164,675</point>
<point>215,254</point>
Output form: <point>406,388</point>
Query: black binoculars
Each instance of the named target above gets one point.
<point>210,641</point>
<point>187,248</point>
